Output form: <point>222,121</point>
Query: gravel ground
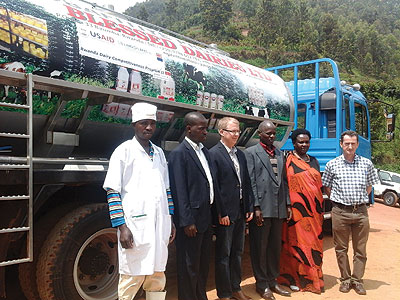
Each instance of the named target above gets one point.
<point>381,280</point>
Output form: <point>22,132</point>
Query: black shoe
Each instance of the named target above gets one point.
<point>266,294</point>
<point>277,288</point>
<point>345,287</point>
<point>359,288</point>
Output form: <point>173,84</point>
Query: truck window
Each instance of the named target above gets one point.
<point>347,112</point>
<point>301,115</point>
<point>384,176</point>
<point>361,120</point>
<point>396,178</point>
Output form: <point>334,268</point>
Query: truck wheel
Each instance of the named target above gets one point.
<point>27,271</point>
<point>79,259</point>
<point>390,198</point>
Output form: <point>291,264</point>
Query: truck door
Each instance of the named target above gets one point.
<point>361,126</point>
<point>346,119</point>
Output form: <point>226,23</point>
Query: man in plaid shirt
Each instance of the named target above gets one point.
<point>348,181</point>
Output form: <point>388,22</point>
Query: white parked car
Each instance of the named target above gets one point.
<point>389,187</point>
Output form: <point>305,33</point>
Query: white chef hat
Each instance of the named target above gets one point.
<point>143,111</point>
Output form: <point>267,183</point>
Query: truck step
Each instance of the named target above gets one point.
<point>13,105</point>
<point>14,135</point>
<point>14,229</point>
<point>14,261</point>
<point>13,166</point>
<point>12,198</point>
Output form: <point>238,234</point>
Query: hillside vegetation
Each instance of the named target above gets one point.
<point>363,37</point>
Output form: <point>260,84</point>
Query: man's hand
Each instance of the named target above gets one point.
<point>173,233</point>
<point>125,237</point>
<point>190,230</point>
<point>249,216</point>
<point>224,220</point>
<point>289,213</point>
<point>259,216</point>
<point>327,191</point>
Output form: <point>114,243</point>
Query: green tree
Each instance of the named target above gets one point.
<point>215,14</point>
<point>263,28</point>
<point>329,35</point>
<point>246,7</point>
<point>171,10</point>
<point>143,14</point>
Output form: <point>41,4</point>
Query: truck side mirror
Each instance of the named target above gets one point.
<point>390,125</point>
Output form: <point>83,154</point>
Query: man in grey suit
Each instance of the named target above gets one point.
<point>267,172</point>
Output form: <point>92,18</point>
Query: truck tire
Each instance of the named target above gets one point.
<point>27,271</point>
<point>390,198</point>
<point>79,259</point>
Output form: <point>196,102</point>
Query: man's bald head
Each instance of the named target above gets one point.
<point>196,127</point>
<point>193,118</point>
<point>267,132</point>
<point>264,125</point>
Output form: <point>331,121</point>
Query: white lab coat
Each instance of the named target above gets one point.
<point>142,184</point>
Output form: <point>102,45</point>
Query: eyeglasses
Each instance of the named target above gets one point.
<point>234,132</point>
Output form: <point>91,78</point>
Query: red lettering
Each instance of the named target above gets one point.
<point>91,20</point>
<point>266,76</point>
<point>208,57</point>
<point>154,39</point>
<point>218,61</point>
<point>126,29</point>
<point>236,67</point>
<point>241,68</point>
<point>200,55</point>
<point>77,14</point>
<point>140,34</point>
<point>110,24</point>
<point>252,73</point>
<point>188,50</point>
<point>224,63</point>
<point>231,65</point>
<point>168,44</point>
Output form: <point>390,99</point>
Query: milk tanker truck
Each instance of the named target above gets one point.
<point>70,70</point>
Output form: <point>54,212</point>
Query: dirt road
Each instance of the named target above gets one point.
<point>382,276</point>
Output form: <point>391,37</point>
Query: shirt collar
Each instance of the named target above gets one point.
<point>271,151</point>
<point>230,150</point>
<point>356,158</point>
<point>155,150</point>
<point>196,147</point>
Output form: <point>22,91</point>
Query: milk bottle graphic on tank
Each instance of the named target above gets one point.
<point>122,80</point>
<point>213,102</point>
<point>199,98</point>
<point>135,83</point>
<point>167,87</point>
<point>206,99</point>
<point>220,101</point>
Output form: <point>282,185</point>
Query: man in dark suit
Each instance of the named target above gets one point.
<point>192,188</point>
<point>234,203</point>
<point>267,171</point>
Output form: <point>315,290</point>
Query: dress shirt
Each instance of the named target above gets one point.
<point>203,160</point>
<point>232,154</point>
<point>349,180</point>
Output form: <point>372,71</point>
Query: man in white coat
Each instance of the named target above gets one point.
<point>140,204</point>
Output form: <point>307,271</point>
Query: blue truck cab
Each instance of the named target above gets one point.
<point>327,107</point>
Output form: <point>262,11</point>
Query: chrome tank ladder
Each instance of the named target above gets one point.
<point>26,165</point>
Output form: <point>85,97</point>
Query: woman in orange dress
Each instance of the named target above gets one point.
<point>301,256</point>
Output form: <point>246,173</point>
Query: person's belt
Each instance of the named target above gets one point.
<point>348,207</point>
